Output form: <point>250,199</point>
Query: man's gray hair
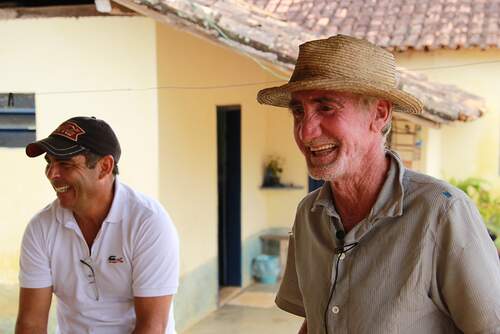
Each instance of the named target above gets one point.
<point>367,101</point>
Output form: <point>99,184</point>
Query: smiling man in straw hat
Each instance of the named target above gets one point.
<point>378,248</point>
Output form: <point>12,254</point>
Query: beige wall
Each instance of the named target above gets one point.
<point>281,203</point>
<point>188,142</point>
<point>432,152</point>
<point>469,149</point>
<point>112,57</point>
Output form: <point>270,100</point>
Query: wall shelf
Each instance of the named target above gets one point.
<point>283,187</point>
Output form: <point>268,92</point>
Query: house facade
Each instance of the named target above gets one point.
<point>168,93</point>
<point>160,89</point>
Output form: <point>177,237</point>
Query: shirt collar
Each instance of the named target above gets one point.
<point>115,213</point>
<point>66,217</point>
<point>389,202</point>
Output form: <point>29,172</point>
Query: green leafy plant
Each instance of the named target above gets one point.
<point>488,205</point>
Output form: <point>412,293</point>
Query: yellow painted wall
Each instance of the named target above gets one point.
<point>432,152</point>
<point>53,58</point>
<point>111,68</point>
<point>281,203</point>
<point>188,140</point>
<point>470,149</point>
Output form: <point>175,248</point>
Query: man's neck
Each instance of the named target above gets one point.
<point>91,217</point>
<point>355,194</point>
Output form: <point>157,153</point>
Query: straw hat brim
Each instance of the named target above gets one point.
<point>280,96</point>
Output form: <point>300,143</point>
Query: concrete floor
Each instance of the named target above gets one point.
<point>251,311</point>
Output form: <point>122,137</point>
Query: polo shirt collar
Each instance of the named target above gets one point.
<point>116,211</point>
<point>115,214</point>
<point>389,202</point>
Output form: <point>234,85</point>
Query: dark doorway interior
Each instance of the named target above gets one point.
<point>229,189</point>
<point>314,184</point>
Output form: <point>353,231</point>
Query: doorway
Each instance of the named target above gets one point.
<point>229,195</point>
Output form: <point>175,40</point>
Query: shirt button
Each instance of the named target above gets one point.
<point>342,256</point>
<point>335,309</point>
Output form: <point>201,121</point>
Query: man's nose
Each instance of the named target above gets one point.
<point>52,171</point>
<point>310,127</point>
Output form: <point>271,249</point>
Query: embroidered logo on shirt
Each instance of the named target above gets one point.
<point>115,259</point>
<point>447,194</point>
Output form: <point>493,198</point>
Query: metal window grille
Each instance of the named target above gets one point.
<point>17,119</point>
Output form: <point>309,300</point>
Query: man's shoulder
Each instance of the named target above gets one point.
<point>427,187</point>
<point>137,204</point>
<point>48,214</point>
<point>307,203</point>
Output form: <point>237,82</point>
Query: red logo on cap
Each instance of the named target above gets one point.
<point>69,130</point>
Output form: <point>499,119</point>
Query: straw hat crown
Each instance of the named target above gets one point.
<point>343,63</point>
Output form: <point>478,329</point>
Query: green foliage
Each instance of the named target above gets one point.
<point>488,205</point>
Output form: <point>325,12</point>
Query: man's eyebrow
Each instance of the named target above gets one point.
<point>325,99</point>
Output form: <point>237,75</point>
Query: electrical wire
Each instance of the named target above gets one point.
<point>111,90</point>
<point>430,68</point>
<point>246,84</point>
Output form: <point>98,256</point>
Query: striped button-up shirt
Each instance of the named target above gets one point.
<point>421,262</point>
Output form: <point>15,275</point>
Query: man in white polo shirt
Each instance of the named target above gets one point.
<point>108,253</point>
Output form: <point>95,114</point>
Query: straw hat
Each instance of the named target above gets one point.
<point>346,64</point>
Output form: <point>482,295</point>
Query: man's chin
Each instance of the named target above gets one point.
<point>321,174</point>
<point>63,202</point>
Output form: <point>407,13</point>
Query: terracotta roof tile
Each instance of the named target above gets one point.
<point>397,24</point>
<point>275,36</point>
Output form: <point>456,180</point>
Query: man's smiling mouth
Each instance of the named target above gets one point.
<point>61,189</point>
<point>322,149</point>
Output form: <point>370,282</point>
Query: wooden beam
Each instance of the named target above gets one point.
<point>417,120</point>
<point>62,11</point>
<point>143,10</point>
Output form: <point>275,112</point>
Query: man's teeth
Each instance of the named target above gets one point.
<point>61,189</point>
<point>322,147</point>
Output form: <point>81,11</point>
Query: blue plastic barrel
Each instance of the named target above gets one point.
<point>266,268</point>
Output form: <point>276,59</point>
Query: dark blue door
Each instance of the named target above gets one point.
<point>229,190</point>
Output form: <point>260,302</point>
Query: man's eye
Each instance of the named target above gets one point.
<point>297,111</point>
<point>327,108</point>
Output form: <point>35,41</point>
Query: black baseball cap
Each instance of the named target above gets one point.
<point>75,136</point>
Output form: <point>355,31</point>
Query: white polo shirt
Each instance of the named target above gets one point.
<point>135,253</point>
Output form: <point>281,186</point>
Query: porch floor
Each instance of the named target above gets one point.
<point>251,311</point>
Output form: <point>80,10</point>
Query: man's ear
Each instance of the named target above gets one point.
<point>107,163</point>
<point>382,115</point>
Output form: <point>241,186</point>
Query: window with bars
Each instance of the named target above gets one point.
<point>17,119</point>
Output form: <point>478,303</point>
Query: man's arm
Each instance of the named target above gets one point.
<point>151,314</point>
<point>303,328</point>
<point>467,275</point>
<point>33,314</point>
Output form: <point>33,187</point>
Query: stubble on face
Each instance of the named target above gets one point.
<point>72,180</point>
<point>333,140</point>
